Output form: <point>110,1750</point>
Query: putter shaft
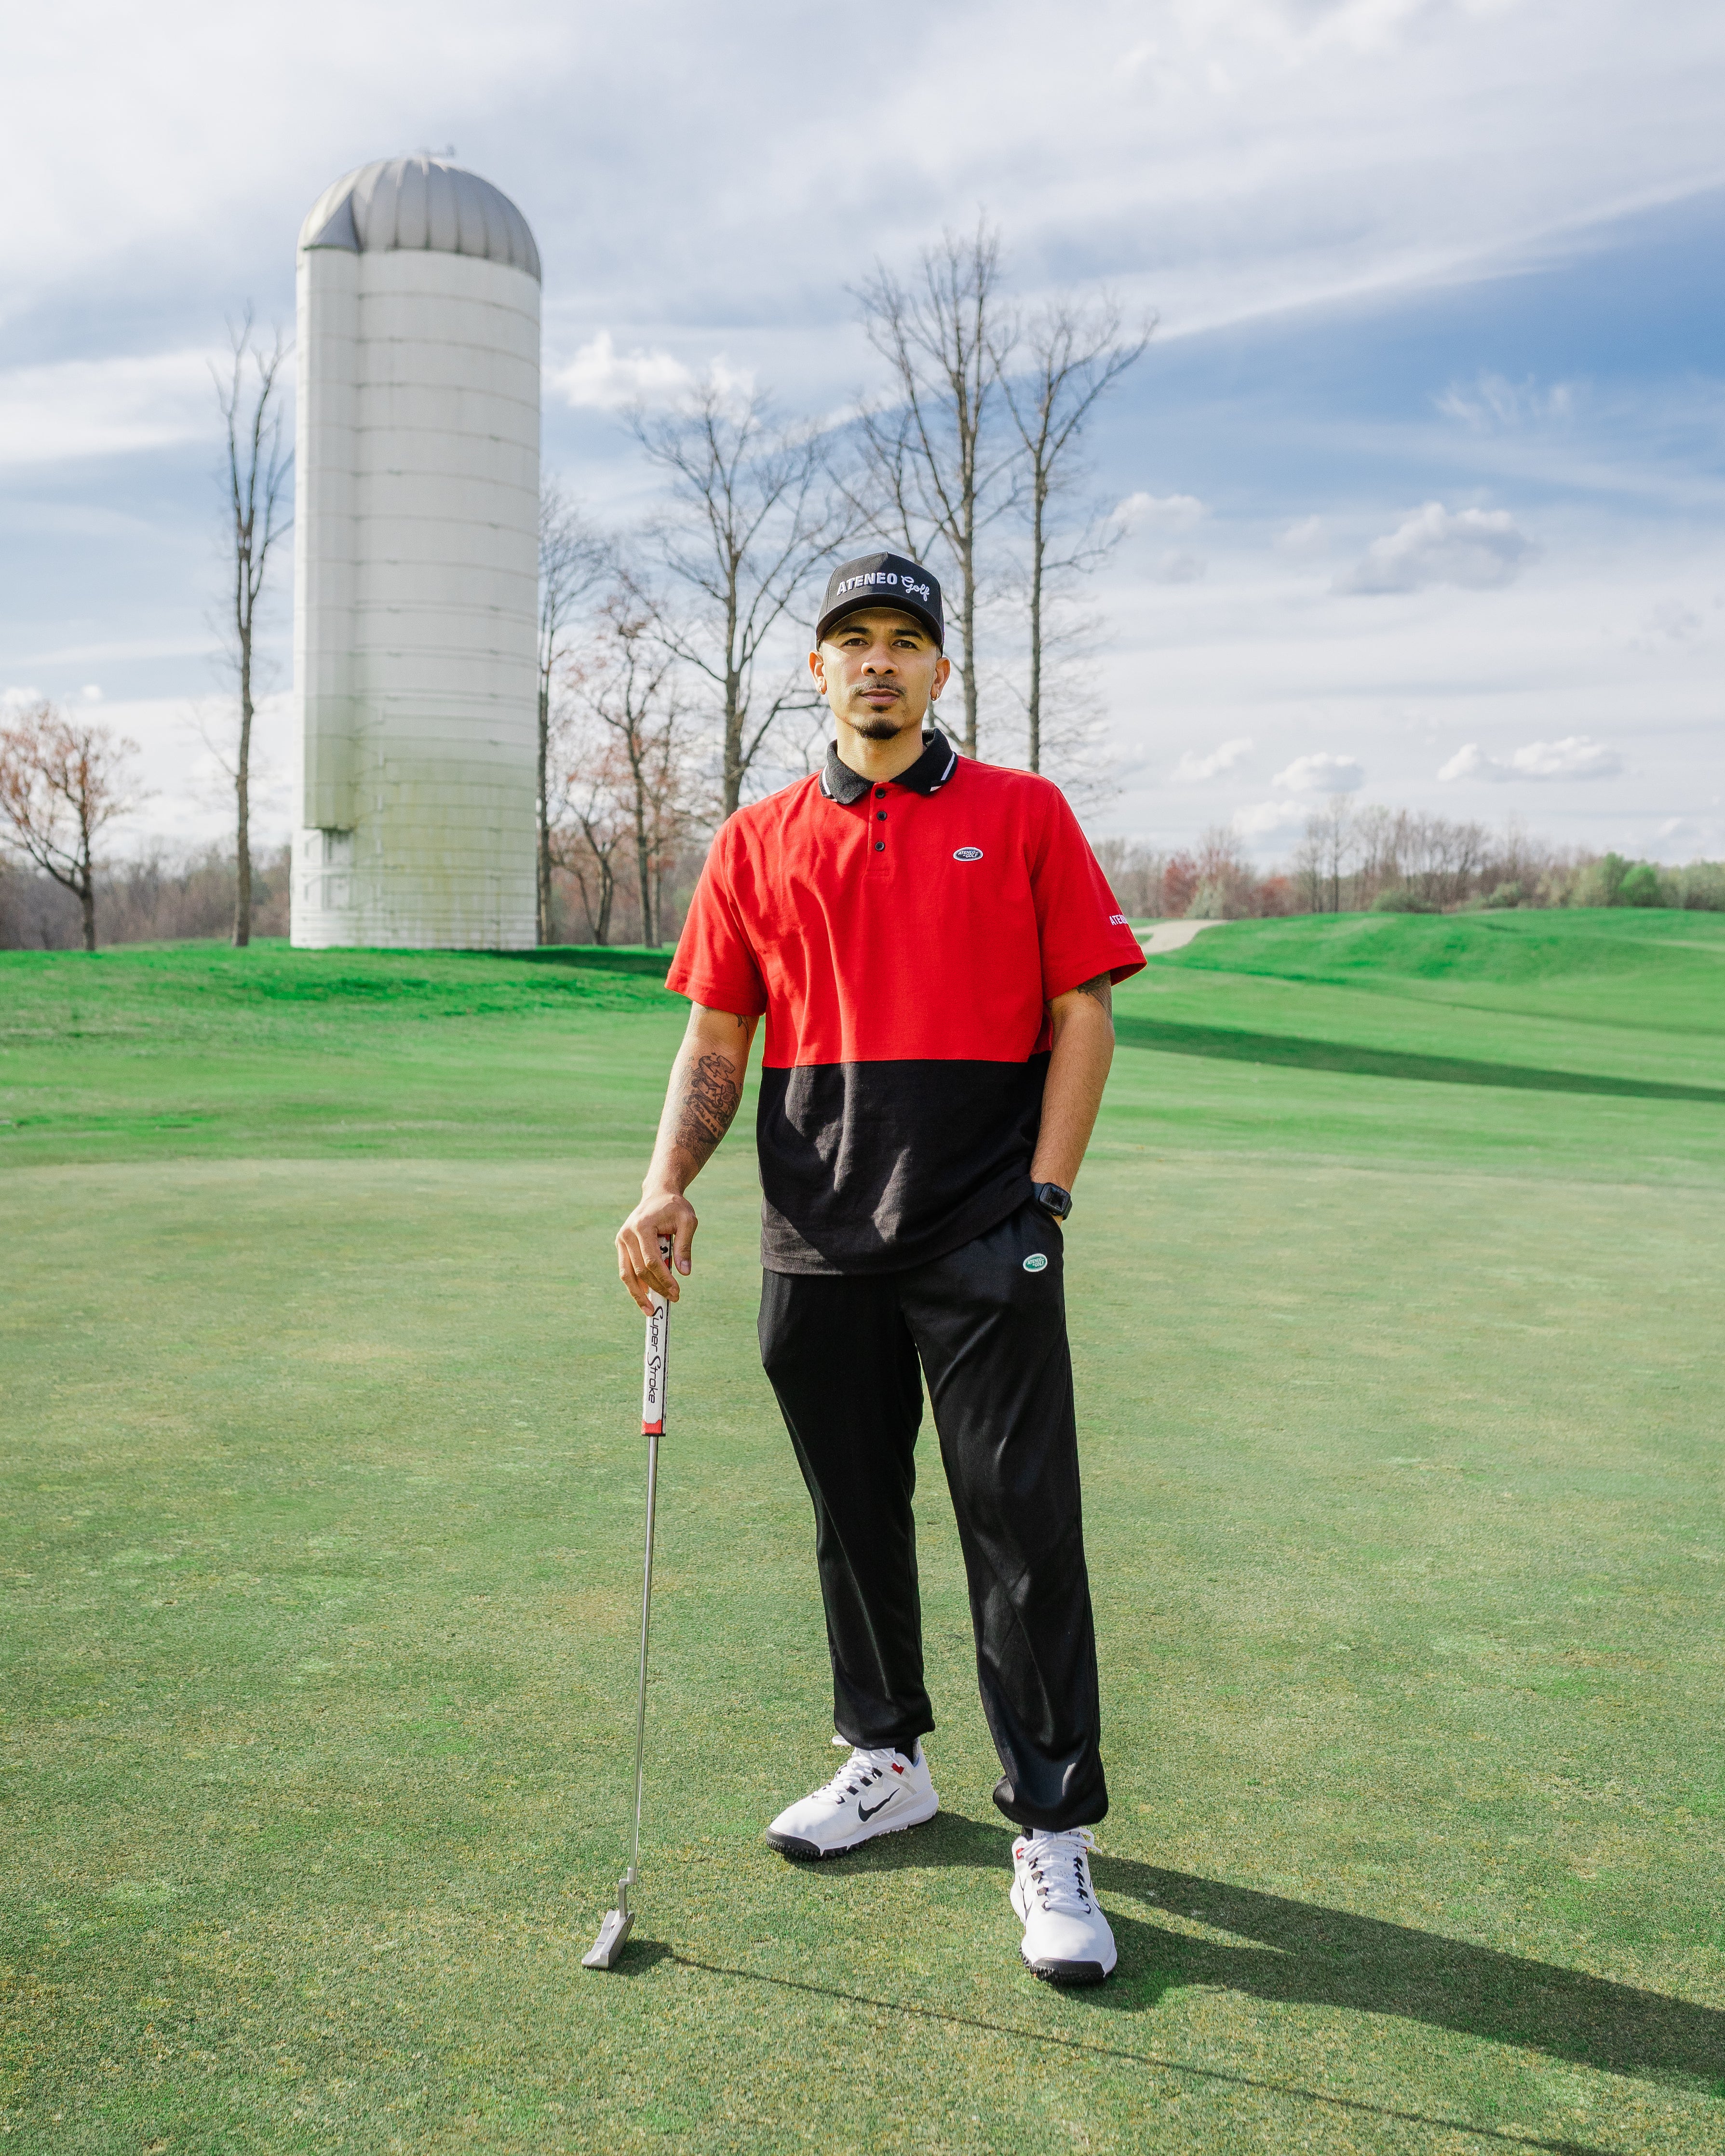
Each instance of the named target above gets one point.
<point>632,1873</point>
<point>620,1921</point>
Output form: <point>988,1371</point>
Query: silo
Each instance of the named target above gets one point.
<point>416,555</point>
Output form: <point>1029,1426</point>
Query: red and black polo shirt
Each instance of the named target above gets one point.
<point>903,941</point>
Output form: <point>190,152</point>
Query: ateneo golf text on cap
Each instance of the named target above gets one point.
<point>903,939</point>
<point>883,580</point>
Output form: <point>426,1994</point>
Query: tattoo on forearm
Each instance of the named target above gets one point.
<point>709,1095</point>
<point>1100,990</point>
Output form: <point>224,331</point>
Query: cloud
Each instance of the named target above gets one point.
<point>1158,512</point>
<point>1167,513</point>
<point>1192,768</point>
<point>1688,838</point>
<point>1305,537</point>
<point>1495,403</point>
<point>1479,549</point>
<point>1322,774</point>
<point>1672,621</point>
<point>18,698</point>
<point>1306,776</point>
<point>94,407</point>
<point>1575,757</point>
<point>600,378</point>
<point>1267,817</point>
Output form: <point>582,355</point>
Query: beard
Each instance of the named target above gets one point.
<point>879,728</point>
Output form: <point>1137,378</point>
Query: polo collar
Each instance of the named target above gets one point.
<point>930,771</point>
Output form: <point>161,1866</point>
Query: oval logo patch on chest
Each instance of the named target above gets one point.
<point>967,853</point>
<point>1035,1263</point>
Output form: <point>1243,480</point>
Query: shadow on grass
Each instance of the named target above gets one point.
<point>1180,2069</point>
<point>1305,1955</point>
<point>595,957</point>
<point>638,1957</point>
<point>1168,1037</point>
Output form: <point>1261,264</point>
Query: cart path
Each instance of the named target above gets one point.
<point>1172,936</point>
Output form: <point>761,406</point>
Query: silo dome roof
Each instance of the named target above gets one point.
<point>421,203</point>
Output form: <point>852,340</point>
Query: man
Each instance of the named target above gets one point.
<point>932,945</point>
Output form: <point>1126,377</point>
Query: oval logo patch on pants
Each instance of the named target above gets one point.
<point>1035,1263</point>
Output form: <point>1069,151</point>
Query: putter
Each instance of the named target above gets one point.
<point>618,1922</point>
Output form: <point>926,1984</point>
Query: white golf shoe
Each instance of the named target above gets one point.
<point>873,1792</point>
<point>1066,1936</point>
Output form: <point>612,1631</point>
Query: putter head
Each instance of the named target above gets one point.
<point>608,1945</point>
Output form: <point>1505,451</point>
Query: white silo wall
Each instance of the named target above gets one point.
<point>416,607</point>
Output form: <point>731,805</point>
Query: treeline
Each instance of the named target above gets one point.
<point>162,896</point>
<point>166,896</point>
<point>1355,860</point>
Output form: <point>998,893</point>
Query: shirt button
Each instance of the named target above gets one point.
<point>880,815</point>
<point>879,845</point>
<point>879,792</point>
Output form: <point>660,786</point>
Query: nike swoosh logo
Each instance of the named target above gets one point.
<point>868,1811</point>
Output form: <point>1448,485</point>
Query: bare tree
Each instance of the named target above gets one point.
<point>1068,737</point>
<point>587,790</point>
<point>1429,858</point>
<point>1228,887</point>
<point>255,484</point>
<point>1325,854</point>
<point>1134,871</point>
<point>626,689</point>
<point>60,784</point>
<point>1380,850</point>
<point>574,556</point>
<point>753,513</point>
<point>1074,355</point>
<point>589,826</point>
<point>937,461</point>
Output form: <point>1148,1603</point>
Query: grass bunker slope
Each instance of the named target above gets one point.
<point>1396,1284</point>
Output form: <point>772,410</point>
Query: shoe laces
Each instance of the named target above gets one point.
<point>1059,1866</point>
<point>860,1772</point>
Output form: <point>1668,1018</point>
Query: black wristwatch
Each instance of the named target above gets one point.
<point>1054,1202</point>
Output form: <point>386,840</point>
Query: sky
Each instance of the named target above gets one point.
<point>1420,481</point>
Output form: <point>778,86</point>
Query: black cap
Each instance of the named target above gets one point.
<point>883,580</point>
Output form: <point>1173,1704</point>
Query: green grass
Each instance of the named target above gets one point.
<point>157,1052</point>
<point>1395,1286</point>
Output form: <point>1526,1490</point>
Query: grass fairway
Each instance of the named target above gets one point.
<point>1396,1284</point>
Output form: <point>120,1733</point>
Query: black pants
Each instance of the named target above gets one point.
<point>988,1324</point>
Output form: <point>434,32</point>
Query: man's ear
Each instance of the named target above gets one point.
<point>818,668</point>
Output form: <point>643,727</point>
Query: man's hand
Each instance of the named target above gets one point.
<point>640,1265</point>
<point>705,1086</point>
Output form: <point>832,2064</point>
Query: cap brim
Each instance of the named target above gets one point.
<point>876,605</point>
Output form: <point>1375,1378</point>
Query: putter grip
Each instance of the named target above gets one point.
<point>657,1359</point>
